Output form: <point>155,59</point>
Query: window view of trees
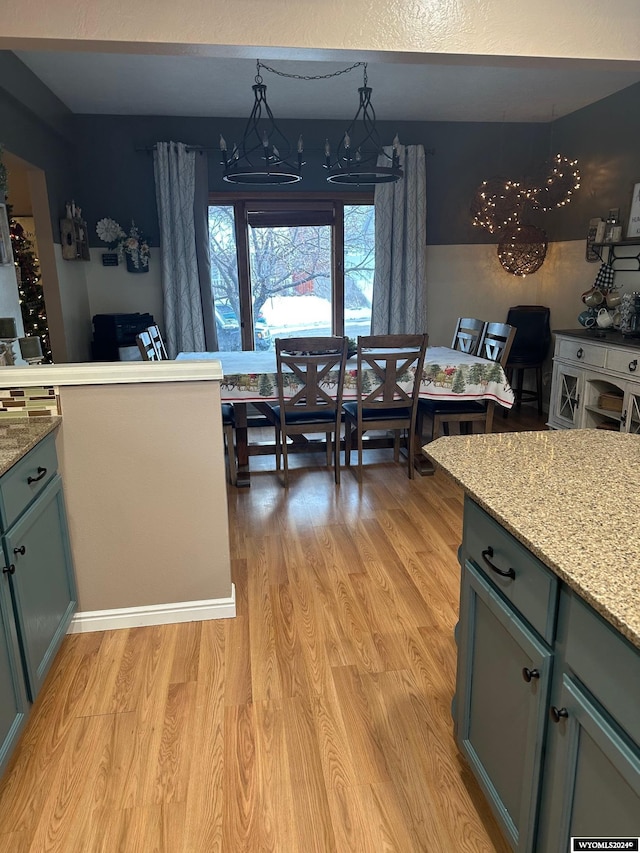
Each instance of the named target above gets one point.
<point>291,277</point>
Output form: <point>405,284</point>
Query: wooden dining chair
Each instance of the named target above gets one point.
<point>310,377</point>
<point>146,347</point>
<point>468,334</point>
<point>495,345</point>
<point>389,373</point>
<point>228,428</point>
<point>158,343</point>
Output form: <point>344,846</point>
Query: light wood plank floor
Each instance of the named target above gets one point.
<point>317,720</point>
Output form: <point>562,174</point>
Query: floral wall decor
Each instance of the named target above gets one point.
<point>131,246</point>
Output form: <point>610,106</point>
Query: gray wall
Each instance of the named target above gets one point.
<point>108,176</point>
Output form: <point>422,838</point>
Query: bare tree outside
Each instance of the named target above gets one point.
<point>291,282</point>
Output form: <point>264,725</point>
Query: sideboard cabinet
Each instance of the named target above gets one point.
<point>596,383</point>
<point>37,586</point>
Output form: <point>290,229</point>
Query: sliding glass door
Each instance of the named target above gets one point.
<point>282,268</point>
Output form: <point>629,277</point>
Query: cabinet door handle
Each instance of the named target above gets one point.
<point>42,472</point>
<point>633,365</point>
<point>528,674</point>
<point>580,353</point>
<point>9,570</point>
<point>558,714</point>
<point>21,550</point>
<point>488,552</point>
<point>623,418</point>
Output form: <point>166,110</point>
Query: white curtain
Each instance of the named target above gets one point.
<point>399,284</point>
<point>186,281</point>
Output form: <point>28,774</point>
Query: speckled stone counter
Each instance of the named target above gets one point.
<point>18,436</point>
<point>572,497</point>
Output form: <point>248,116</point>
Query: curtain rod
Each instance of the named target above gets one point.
<point>429,152</point>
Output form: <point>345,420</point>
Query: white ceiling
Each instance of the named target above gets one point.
<point>516,90</point>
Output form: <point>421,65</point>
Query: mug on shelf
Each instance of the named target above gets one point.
<point>604,319</point>
<point>613,299</point>
<point>587,319</point>
<point>593,297</point>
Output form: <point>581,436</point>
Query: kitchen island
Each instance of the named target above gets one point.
<point>548,681</point>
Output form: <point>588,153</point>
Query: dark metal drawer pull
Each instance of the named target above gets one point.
<point>580,353</point>
<point>488,552</point>
<point>528,674</point>
<point>42,472</point>
<point>558,713</point>
<point>21,550</point>
<point>9,570</point>
<point>633,364</point>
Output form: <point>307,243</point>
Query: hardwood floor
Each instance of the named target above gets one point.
<point>316,720</point>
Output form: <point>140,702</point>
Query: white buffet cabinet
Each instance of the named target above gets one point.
<point>596,381</point>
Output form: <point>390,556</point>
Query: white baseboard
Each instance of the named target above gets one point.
<point>154,614</point>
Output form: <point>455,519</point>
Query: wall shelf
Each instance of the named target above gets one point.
<point>75,240</point>
<point>617,253</point>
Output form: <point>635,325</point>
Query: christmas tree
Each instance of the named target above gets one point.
<point>34,312</point>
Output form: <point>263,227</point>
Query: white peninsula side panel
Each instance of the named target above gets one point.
<point>142,459</point>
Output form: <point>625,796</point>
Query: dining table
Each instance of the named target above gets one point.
<point>448,374</point>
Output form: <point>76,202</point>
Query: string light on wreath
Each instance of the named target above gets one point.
<point>562,180</point>
<point>496,204</point>
<point>522,249</point>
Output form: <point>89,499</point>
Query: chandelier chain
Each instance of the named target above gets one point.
<point>314,77</point>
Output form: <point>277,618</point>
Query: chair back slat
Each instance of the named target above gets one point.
<point>158,343</point>
<point>468,334</point>
<point>496,342</point>
<point>310,374</point>
<point>383,362</point>
<point>146,347</point>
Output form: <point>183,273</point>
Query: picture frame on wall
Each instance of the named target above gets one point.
<point>633,228</point>
<point>6,252</point>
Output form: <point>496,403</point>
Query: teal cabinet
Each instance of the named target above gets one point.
<point>42,584</point>
<point>593,773</point>
<point>502,699</point>
<point>37,586</point>
<point>558,754</point>
<point>13,701</point>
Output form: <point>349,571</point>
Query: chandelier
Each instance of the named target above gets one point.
<point>263,155</point>
<point>359,150</point>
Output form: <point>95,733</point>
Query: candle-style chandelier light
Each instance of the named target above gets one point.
<point>265,156</point>
<point>360,150</point>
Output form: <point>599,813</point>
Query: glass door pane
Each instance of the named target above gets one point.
<point>291,286</point>
<point>359,261</point>
<point>224,276</point>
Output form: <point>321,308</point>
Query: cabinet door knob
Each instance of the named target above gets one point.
<point>41,473</point>
<point>9,570</point>
<point>528,674</point>
<point>21,550</point>
<point>580,353</point>
<point>558,713</point>
<point>633,365</point>
<point>488,552</point>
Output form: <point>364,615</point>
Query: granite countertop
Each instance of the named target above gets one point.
<point>572,497</point>
<point>19,435</point>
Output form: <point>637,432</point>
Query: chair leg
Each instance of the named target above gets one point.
<point>359,436</point>
<point>277,449</point>
<point>539,387</point>
<point>488,424</point>
<point>396,445</point>
<point>410,450</point>
<point>231,454</point>
<point>285,459</point>
<point>328,446</point>
<point>336,454</point>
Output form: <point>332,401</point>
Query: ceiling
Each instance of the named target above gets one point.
<point>445,89</point>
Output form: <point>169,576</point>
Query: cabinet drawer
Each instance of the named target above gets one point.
<point>624,361</point>
<point>604,661</point>
<point>16,492</point>
<point>581,353</point>
<point>534,589</point>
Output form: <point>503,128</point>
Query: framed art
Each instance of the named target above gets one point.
<point>633,228</point>
<point>6,252</point>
